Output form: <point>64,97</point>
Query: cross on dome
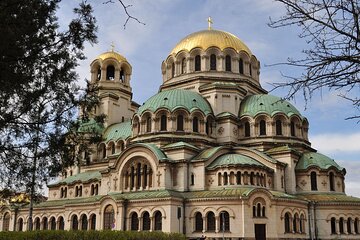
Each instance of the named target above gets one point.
<point>210,22</point>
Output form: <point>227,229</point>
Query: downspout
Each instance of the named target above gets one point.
<point>311,229</point>
<point>315,221</point>
<point>125,203</point>
<point>184,222</point>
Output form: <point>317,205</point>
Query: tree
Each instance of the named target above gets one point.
<point>332,30</point>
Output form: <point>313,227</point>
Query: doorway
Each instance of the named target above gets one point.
<point>260,232</point>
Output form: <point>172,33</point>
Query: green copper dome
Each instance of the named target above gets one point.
<point>313,159</point>
<point>174,99</point>
<point>118,131</point>
<point>228,160</point>
<point>268,104</point>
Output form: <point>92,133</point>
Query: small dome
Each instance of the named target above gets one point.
<point>313,159</point>
<point>112,54</point>
<point>210,38</point>
<point>174,99</point>
<point>231,160</point>
<point>117,131</point>
<point>268,104</point>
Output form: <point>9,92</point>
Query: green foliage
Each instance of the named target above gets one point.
<point>90,235</point>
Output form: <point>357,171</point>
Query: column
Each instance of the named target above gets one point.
<point>217,224</point>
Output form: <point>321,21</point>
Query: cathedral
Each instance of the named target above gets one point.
<point>211,154</point>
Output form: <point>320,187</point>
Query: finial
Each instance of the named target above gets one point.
<point>209,23</point>
<point>112,46</point>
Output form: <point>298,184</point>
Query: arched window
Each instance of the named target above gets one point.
<point>45,223</point>
<point>228,63</point>
<point>295,223</point>
<point>278,127</point>
<point>183,66</point>
<point>110,72</point>
<point>198,222</point>
<point>225,181</point>
<point>333,225</point>
<point>263,211</point>
<point>224,221</point>
<point>348,224</point>
<point>192,179</point>
<point>103,150</point>
<point>53,223</point>
<point>238,178</point>
<point>287,222</point>
<point>197,63</point>
<point>212,62</point>
<point>180,123</point>
<point>134,222</point>
<point>122,75</point>
<point>20,224</point>
<point>146,221</point>
<point>109,220</point>
<point>241,66</point>
<point>84,222</point>
<point>292,129</point>
<point>163,123</point>
<point>148,124</point>
<point>262,127</point>
<point>112,148</point>
<point>331,180</point>
<point>158,221</point>
<point>258,210</point>
<point>75,223</point>
<point>173,70</point>
<point>98,76</point>
<point>195,124</point>
<point>61,223</point>
<point>302,224</point>
<point>341,225</point>
<point>37,224</point>
<point>210,218</point>
<point>247,129</point>
<point>356,226</point>
<point>313,181</point>
<point>250,69</point>
<point>93,222</point>
<point>252,178</point>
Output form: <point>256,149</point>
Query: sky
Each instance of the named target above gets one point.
<point>169,21</point>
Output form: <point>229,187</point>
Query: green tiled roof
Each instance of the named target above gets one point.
<point>233,160</point>
<point>174,99</point>
<point>225,114</point>
<point>80,177</point>
<point>146,195</point>
<point>62,202</point>
<point>329,197</point>
<point>118,131</point>
<point>90,126</point>
<point>157,151</point>
<point>180,144</point>
<point>268,104</point>
<point>207,153</point>
<point>313,159</point>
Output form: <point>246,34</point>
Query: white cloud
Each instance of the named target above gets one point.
<point>336,142</point>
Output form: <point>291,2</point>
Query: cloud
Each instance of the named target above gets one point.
<point>352,186</point>
<point>336,142</point>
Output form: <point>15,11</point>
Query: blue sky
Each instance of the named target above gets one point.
<point>168,21</point>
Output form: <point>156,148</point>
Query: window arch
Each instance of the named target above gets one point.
<point>238,178</point>
<point>278,124</point>
<point>6,222</point>
<point>247,129</point>
<point>302,224</point>
<point>146,221</point>
<point>197,63</point>
<point>333,225</point>
<point>250,69</point>
<point>198,222</point>
<point>93,222</point>
<point>112,147</point>
<point>295,223</point>
<point>287,222</point>
<point>148,124</point>
<point>98,76</point>
<point>313,177</point>
<point>183,66</point>
<point>262,127</point>
<point>210,221</point>
<point>212,62</point>
<point>356,225</point>
<point>20,224</point>
<point>37,224</point>
<point>45,223</point>
<point>195,123</point>
<point>173,70</point>
<point>139,171</point>
<point>228,63</point>
<point>122,75</point>
<point>224,221</point>
<point>192,179</point>
<point>134,225</point>
<point>341,225</point>
<point>109,220</point>
<point>225,180</point>
<point>158,221</point>
<point>180,123</point>
<point>332,181</point>
<point>241,66</point>
<point>84,222</point>
<point>110,72</point>
<point>74,222</point>
<point>292,129</point>
<point>163,123</point>
<point>53,223</point>
<point>348,226</point>
<point>61,223</point>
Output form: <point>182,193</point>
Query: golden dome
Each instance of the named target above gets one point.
<point>112,54</point>
<point>210,38</point>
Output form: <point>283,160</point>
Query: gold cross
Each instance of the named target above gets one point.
<point>209,23</point>
<point>112,46</point>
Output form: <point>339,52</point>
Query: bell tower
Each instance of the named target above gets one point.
<point>112,74</point>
